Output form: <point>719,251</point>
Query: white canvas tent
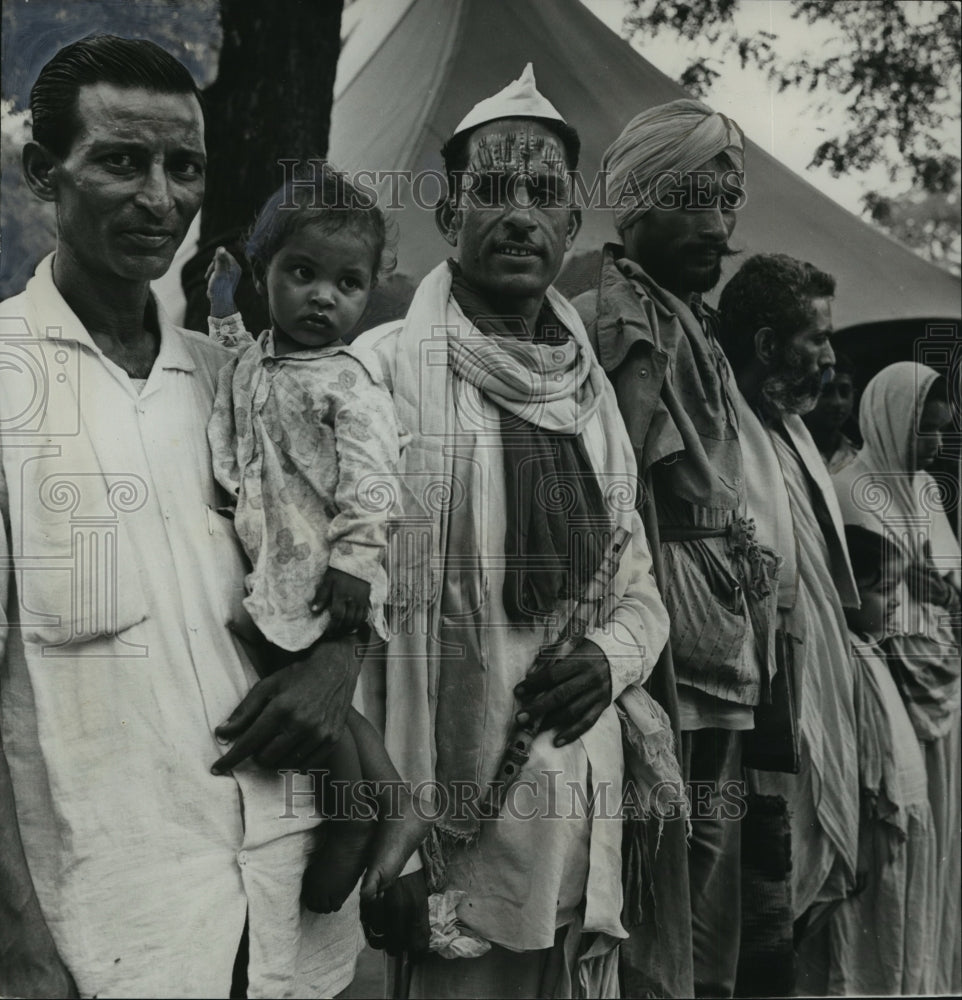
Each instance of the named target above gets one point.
<point>409,69</point>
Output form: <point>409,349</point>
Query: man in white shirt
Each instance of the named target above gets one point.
<point>128,868</point>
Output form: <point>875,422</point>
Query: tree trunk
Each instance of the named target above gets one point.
<point>271,100</point>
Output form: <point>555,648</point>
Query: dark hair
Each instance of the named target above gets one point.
<point>772,290</point>
<point>323,197</point>
<point>123,62</point>
<point>937,392</point>
<point>870,553</point>
<point>455,151</point>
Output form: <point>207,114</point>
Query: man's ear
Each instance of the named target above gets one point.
<point>765,345</point>
<point>447,220</point>
<point>574,227</point>
<point>40,170</point>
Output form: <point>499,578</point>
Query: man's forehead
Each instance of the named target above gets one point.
<point>822,314</point>
<point>108,107</point>
<point>516,145</point>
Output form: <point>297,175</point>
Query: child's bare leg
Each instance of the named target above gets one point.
<point>344,840</point>
<point>400,829</point>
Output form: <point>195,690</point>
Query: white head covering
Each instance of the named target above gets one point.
<point>889,412</point>
<point>520,99</point>
<point>678,136</point>
<point>880,489</point>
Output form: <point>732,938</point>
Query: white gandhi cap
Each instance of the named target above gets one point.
<point>520,99</point>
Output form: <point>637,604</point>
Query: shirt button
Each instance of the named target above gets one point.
<point>642,373</point>
<point>242,858</point>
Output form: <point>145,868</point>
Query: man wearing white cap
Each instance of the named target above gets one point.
<point>675,174</point>
<point>518,472</point>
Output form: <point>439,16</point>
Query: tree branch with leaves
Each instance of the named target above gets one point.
<point>895,66</point>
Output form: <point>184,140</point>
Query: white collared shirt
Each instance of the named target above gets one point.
<point>122,650</point>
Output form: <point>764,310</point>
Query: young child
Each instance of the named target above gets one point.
<point>880,940</point>
<point>304,436</point>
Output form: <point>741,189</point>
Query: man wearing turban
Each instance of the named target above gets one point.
<point>675,176</point>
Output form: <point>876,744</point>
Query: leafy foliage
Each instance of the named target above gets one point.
<point>929,222</point>
<point>896,66</point>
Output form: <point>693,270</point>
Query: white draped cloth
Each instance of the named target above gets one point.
<point>531,872</point>
<point>881,940</point>
<point>882,491</point>
<point>787,488</point>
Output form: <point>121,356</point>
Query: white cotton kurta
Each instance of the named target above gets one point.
<point>112,681</point>
<point>527,874</point>
<point>542,860</point>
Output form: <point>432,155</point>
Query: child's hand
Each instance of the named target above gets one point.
<point>347,598</point>
<point>223,274</point>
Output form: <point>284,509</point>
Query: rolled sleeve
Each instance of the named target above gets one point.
<point>229,331</point>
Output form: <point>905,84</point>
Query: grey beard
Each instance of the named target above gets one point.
<point>786,394</point>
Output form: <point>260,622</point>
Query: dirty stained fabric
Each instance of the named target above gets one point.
<point>306,444</point>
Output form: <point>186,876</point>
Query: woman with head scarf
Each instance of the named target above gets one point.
<point>889,489</point>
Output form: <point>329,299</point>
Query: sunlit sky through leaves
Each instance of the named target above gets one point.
<point>786,124</point>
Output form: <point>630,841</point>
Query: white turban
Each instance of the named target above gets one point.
<point>671,138</point>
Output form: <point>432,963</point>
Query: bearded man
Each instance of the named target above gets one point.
<point>776,328</point>
<point>518,470</point>
<point>676,174</point>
